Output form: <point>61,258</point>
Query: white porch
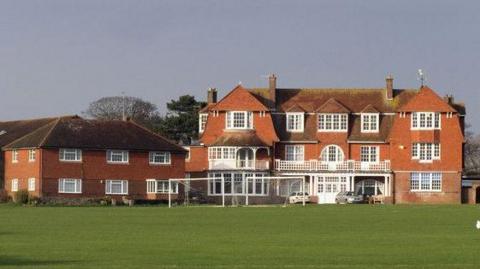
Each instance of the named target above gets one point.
<point>238,158</point>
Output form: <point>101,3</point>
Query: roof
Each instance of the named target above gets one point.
<point>386,122</point>
<point>244,138</point>
<point>427,100</point>
<point>332,106</point>
<point>239,99</point>
<point>76,132</point>
<point>12,130</point>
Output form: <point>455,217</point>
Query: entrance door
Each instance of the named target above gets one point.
<point>329,187</point>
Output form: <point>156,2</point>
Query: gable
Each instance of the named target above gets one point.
<point>427,100</point>
<point>332,106</point>
<point>239,99</point>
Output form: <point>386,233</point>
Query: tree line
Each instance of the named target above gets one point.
<point>180,123</point>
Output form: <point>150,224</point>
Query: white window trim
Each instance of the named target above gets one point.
<point>295,152</point>
<point>78,155</point>
<point>168,156</point>
<point>259,179</point>
<point>31,184</point>
<point>417,148</point>
<point>14,185</point>
<point>377,153</point>
<point>325,130</point>
<point>248,120</point>
<point>301,118</point>
<point>108,152</point>
<point>158,182</point>
<point>15,156</point>
<point>231,153</point>
<point>417,116</point>
<point>77,181</point>
<point>202,122</point>
<point>377,118</point>
<point>430,180</point>
<point>32,155</point>
<point>108,187</point>
<point>339,153</point>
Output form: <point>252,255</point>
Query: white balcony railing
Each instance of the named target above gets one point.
<point>316,165</point>
<point>238,165</point>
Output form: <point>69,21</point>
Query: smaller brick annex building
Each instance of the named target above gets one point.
<point>72,157</point>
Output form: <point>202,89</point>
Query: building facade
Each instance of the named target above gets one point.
<point>403,145</point>
<point>71,157</point>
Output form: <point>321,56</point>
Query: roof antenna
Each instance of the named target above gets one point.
<point>421,77</point>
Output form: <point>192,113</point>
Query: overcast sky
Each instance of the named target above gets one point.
<point>58,56</point>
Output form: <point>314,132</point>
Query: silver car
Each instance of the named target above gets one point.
<point>348,197</point>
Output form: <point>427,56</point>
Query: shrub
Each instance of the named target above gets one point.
<point>21,197</point>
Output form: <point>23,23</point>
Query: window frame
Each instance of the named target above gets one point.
<point>431,150</point>
<point>31,184</point>
<point>369,154</point>
<point>247,120</point>
<point>202,122</point>
<point>14,183</point>
<point>369,122</point>
<point>77,185</point>
<point>156,183</point>
<point>418,181</point>
<point>124,153</point>
<point>295,153</point>
<point>328,119</point>
<point>32,155</point>
<point>110,182</point>
<point>338,153</point>
<point>429,120</point>
<point>167,157</point>
<point>15,156</point>
<point>298,122</point>
<point>62,152</point>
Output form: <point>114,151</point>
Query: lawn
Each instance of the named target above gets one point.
<point>358,236</point>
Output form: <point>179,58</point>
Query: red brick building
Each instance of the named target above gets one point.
<point>403,145</point>
<point>75,158</point>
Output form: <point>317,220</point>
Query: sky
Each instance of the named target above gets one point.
<point>58,56</point>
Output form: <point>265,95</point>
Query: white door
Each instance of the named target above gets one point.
<point>329,187</point>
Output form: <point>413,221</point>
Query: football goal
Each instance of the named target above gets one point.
<point>238,189</point>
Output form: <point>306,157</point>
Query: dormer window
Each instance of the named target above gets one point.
<point>332,122</point>
<point>425,121</point>
<point>239,120</point>
<point>369,122</point>
<point>202,121</point>
<point>295,122</point>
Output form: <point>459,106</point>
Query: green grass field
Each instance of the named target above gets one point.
<point>358,236</point>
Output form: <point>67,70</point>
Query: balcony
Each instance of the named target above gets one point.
<point>238,165</point>
<point>344,166</point>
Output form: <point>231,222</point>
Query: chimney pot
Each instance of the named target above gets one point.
<point>212,96</point>
<point>389,87</point>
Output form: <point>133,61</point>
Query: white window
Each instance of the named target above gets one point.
<point>425,182</point>
<point>295,122</point>
<point>332,122</point>
<point>202,121</point>
<point>221,153</point>
<point>369,122</point>
<point>14,156</point>
<point>160,157</point>
<point>31,155</point>
<point>117,156</point>
<point>14,185</point>
<point>69,185</point>
<point>425,152</point>
<point>31,184</point>
<point>294,152</point>
<point>70,155</point>
<point>332,153</point>
<point>369,154</point>
<point>425,121</point>
<point>234,183</point>
<point>161,186</point>
<point>116,187</point>
<point>239,120</point>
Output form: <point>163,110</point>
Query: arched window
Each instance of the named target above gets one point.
<point>332,153</point>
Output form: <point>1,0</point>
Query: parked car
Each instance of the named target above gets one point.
<point>348,197</point>
<point>298,197</point>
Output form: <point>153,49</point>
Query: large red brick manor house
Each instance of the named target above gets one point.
<point>403,144</point>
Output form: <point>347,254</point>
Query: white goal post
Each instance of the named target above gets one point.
<point>274,187</point>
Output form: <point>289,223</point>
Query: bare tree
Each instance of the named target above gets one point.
<point>472,152</point>
<point>117,107</point>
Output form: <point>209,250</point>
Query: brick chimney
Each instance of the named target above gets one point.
<point>212,96</point>
<point>448,99</point>
<point>272,89</point>
<point>389,87</point>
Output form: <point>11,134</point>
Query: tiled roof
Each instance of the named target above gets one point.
<point>332,106</point>
<point>427,100</point>
<point>12,130</point>
<point>386,122</point>
<point>75,132</point>
<point>239,99</point>
<point>245,138</point>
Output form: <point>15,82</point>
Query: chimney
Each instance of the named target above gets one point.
<point>212,96</point>
<point>272,89</point>
<point>389,82</point>
<point>448,99</point>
